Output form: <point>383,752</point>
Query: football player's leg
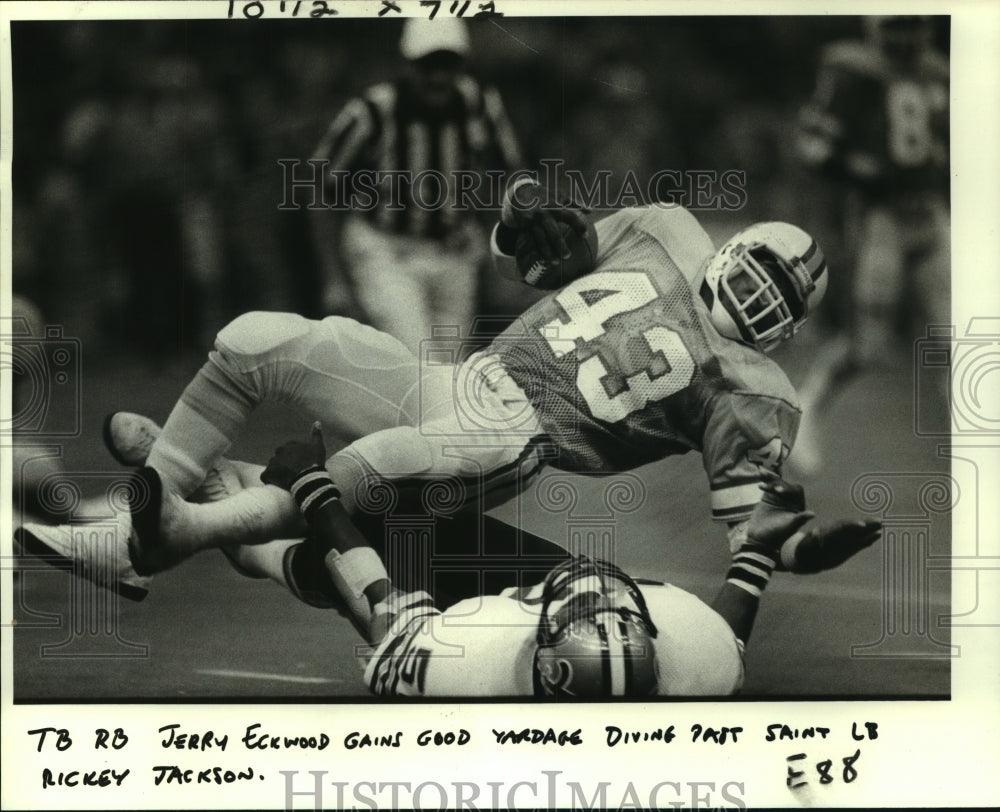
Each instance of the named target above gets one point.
<point>391,464</point>
<point>454,278</point>
<point>487,450</point>
<point>349,376</point>
<point>294,564</point>
<point>934,268</point>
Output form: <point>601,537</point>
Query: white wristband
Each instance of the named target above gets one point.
<point>507,216</point>
<point>789,548</point>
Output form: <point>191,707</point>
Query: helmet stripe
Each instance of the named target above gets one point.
<point>814,261</point>
<point>606,667</point>
<point>627,660</point>
<point>818,269</point>
<point>618,656</point>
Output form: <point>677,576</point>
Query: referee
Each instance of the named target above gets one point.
<point>411,259</point>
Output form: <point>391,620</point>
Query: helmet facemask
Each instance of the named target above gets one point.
<point>750,294</point>
<point>595,634</point>
<point>759,287</point>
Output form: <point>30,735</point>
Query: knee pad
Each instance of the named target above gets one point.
<point>366,469</point>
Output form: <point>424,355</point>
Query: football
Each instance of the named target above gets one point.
<point>536,272</point>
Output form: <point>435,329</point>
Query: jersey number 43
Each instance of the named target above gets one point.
<point>589,303</point>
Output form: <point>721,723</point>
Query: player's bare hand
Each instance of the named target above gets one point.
<point>294,458</point>
<point>830,546</point>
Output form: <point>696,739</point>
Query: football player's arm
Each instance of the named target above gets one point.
<point>775,540</point>
<point>820,128</point>
<point>745,436</point>
<point>826,122</point>
<point>776,517</point>
<point>829,125</point>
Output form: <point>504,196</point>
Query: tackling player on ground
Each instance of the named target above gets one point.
<point>587,630</point>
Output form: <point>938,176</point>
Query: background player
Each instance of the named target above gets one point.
<point>877,128</point>
<point>410,266</point>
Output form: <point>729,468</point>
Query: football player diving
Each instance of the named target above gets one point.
<point>658,349</point>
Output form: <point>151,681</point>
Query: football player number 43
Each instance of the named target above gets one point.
<point>619,293</point>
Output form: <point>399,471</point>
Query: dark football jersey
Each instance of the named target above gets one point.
<point>868,111</point>
<point>623,366</point>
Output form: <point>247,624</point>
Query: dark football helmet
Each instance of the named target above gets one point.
<point>595,636</point>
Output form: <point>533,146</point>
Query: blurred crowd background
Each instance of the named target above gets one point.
<point>146,181</point>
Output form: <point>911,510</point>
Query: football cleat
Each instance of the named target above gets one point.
<point>763,283</point>
<point>149,547</point>
<point>97,552</point>
<point>129,436</point>
<point>595,635</point>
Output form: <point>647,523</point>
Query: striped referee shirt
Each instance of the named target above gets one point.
<point>384,140</point>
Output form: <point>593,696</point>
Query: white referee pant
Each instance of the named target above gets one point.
<point>408,285</point>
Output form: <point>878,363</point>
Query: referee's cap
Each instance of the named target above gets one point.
<point>422,37</point>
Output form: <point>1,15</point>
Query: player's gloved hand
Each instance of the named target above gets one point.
<point>300,468</point>
<point>828,547</point>
<point>295,458</point>
<point>526,209</point>
<point>779,513</point>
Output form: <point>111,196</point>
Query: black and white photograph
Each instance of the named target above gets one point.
<point>498,405</point>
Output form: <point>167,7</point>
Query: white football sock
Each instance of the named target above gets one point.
<point>252,516</point>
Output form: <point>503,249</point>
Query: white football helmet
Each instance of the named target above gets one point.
<point>595,635</point>
<point>761,285</point>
